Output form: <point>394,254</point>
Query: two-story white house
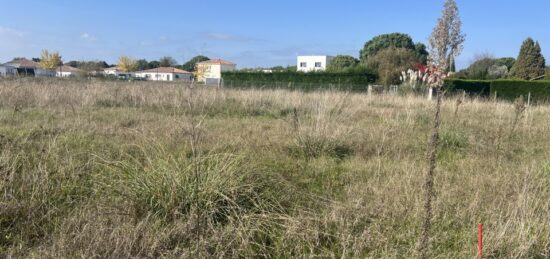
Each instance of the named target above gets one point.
<point>165,74</point>
<point>210,71</point>
<point>312,63</point>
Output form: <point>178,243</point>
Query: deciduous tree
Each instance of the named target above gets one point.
<point>447,39</point>
<point>126,64</point>
<point>49,60</point>
<point>142,64</point>
<point>390,62</point>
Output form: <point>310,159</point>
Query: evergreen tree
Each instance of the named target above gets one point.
<point>190,65</point>
<point>530,62</point>
<point>341,63</point>
<point>395,40</point>
<point>452,64</point>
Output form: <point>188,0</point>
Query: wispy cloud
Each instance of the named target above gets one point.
<point>222,36</point>
<point>87,37</point>
<point>162,40</point>
<point>9,32</point>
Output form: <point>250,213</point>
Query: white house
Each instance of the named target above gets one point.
<point>25,67</point>
<point>68,71</point>
<point>114,71</point>
<point>6,70</point>
<point>312,63</point>
<point>210,71</point>
<point>165,74</point>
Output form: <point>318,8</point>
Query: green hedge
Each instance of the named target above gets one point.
<point>298,80</point>
<point>511,89</point>
<point>472,87</point>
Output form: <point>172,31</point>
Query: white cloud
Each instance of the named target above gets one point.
<point>86,36</point>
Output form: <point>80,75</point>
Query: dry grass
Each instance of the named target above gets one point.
<point>105,169</point>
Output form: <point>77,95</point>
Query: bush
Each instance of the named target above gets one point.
<point>512,89</point>
<point>472,87</point>
<point>298,80</point>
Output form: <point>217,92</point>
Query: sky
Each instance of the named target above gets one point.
<point>255,33</point>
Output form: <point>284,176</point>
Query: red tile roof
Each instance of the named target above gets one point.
<point>217,61</point>
<point>165,70</point>
<point>23,63</point>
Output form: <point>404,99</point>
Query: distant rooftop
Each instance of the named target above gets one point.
<point>165,70</point>
<point>22,63</point>
<point>217,61</point>
<point>66,68</point>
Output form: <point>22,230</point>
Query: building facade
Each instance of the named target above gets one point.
<point>165,74</point>
<point>115,72</point>
<point>25,67</point>
<point>312,63</point>
<point>68,71</point>
<point>7,70</point>
<point>210,71</point>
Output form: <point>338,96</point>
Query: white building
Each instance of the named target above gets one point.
<point>312,63</point>
<point>210,71</point>
<point>25,67</point>
<point>68,71</point>
<point>6,70</point>
<point>115,72</point>
<point>165,74</point>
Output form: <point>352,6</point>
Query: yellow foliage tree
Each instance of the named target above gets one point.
<point>200,71</point>
<point>126,64</point>
<point>49,60</point>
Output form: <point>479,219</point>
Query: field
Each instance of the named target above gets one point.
<point>143,169</point>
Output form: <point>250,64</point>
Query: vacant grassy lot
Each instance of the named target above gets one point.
<point>116,169</point>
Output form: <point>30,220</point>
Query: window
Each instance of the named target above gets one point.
<point>303,64</point>
<point>317,64</point>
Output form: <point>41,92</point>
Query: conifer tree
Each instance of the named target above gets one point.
<point>530,62</point>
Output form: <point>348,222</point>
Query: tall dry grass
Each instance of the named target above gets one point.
<point>106,169</point>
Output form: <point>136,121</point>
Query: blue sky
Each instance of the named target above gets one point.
<point>254,33</point>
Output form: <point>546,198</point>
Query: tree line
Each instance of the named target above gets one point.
<point>53,60</point>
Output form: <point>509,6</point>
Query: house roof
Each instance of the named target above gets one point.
<point>165,70</point>
<point>22,63</point>
<point>112,69</point>
<point>66,68</point>
<point>217,61</point>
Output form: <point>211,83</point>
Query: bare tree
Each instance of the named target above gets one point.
<point>446,41</point>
